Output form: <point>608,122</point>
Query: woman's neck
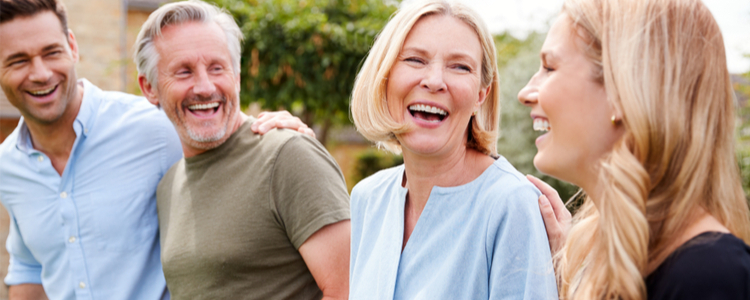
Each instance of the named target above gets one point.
<point>702,222</point>
<point>422,172</point>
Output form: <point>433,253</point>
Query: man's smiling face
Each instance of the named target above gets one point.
<point>37,66</point>
<point>196,84</point>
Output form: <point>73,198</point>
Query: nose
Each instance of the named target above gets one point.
<point>529,95</point>
<point>39,71</point>
<point>203,85</point>
<point>433,80</point>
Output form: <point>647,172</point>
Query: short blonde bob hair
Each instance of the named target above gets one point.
<point>369,104</point>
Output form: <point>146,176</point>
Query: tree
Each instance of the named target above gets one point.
<point>304,55</point>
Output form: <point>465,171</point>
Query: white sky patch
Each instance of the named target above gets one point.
<point>520,17</point>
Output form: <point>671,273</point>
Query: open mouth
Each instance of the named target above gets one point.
<point>204,109</point>
<point>427,113</point>
<point>541,125</point>
<point>42,93</point>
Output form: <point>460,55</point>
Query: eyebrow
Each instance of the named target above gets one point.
<point>452,55</point>
<point>18,55</point>
<point>547,55</point>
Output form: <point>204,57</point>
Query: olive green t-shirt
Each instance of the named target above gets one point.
<point>232,219</point>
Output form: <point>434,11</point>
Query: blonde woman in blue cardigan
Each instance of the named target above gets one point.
<point>456,221</point>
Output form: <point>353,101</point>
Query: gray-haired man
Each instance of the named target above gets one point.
<point>241,215</point>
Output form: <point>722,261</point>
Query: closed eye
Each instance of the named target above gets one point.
<point>414,60</point>
<point>462,67</point>
<point>17,62</point>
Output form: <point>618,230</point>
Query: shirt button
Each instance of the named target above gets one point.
<point>40,158</point>
<point>82,285</point>
<point>63,195</point>
<point>72,239</point>
<point>85,130</point>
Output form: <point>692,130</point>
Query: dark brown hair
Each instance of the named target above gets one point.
<point>10,9</point>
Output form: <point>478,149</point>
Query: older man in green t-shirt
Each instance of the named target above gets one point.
<point>242,215</point>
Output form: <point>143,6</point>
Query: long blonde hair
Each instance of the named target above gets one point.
<point>368,105</point>
<point>663,65</point>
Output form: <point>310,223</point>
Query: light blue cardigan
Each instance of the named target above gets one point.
<point>482,240</point>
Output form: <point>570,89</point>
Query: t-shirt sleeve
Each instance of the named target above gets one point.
<point>521,264</point>
<point>23,267</point>
<point>308,189</point>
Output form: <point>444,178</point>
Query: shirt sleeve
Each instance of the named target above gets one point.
<point>308,189</point>
<point>23,267</point>
<point>173,148</point>
<point>357,217</point>
<point>521,264</point>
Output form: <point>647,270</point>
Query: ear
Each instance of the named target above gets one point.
<point>148,90</point>
<point>73,45</point>
<point>482,96</point>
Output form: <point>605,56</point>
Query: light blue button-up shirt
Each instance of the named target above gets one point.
<point>91,233</point>
<point>481,240</point>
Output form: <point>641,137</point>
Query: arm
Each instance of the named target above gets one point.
<point>312,201</point>
<point>26,291</point>
<point>24,272</point>
<point>326,254</point>
<point>280,119</point>
<point>520,261</point>
<point>556,216</point>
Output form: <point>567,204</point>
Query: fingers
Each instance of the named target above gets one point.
<point>553,198</point>
<point>280,119</point>
<point>555,232</point>
<point>542,186</point>
<point>307,131</point>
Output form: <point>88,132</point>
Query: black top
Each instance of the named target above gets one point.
<point>710,266</point>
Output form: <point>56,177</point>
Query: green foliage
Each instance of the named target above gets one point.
<point>518,60</point>
<point>304,55</point>
<point>743,130</point>
<point>371,161</point>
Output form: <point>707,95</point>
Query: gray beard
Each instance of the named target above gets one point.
<point>217,136</point>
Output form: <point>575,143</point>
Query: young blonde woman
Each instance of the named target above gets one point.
<point>638,110</point>
<point>455,221</point>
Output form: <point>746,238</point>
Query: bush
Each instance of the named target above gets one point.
<point>372,160</point>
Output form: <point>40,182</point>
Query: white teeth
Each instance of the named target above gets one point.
<point>428,109</point>
<point>541,125</point>
<point>42,92</point>
<point>203,106</point>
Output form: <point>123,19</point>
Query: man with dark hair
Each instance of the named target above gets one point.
<point>78,175</point>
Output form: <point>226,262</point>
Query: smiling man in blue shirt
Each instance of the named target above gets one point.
<point>78,175</point>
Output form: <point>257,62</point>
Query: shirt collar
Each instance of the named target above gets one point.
<point>82,125</point>
<point>89,105</point>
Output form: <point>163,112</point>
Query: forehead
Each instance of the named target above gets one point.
<point>444,32</point>
<point>192,41</point>
<point>561,39</point>
<point>29,34</point>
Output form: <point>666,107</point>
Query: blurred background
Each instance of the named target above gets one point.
<point>303,55</point>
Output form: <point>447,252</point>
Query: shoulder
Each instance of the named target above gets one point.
<point>121,111</point>
<point>506,187</point>
<point>9,143</point>
<point>380,181</point>
<point>129,107</point>
<point>272,143</point>
<point>710,266</point>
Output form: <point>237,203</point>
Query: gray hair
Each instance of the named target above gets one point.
<point>146,57</point>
